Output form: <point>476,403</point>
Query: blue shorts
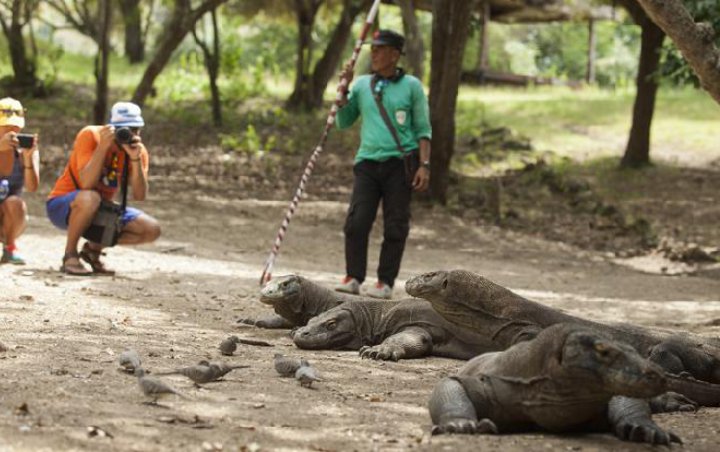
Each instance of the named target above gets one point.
<point>58,210</point>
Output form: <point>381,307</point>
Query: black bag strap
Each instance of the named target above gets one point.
<point>377,95</point>
<point>123,184</point>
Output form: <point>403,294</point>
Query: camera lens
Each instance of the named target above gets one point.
<point>123,135</point>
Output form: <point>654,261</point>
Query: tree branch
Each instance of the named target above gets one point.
<point>694,40</point>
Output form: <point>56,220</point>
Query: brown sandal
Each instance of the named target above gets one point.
<point>73,269</point>
<point>92,257</point>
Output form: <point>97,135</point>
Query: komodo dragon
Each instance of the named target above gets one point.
<point>296,300</point>
<point>477,304</point>
<point>565,379</point>
<point>389,330</point>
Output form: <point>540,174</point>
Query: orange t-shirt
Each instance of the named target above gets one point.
<point>109,183</point>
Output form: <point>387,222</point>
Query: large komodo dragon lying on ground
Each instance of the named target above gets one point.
<point>477,304</point>
<point>389,330</point>
<point>296,300</point>
<point>566,379</point>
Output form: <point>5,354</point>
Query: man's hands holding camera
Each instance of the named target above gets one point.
<point>129,141</point>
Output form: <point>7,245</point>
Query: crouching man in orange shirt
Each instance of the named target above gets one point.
<point>94,173</point>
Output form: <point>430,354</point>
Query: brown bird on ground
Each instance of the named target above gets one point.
<point>153,387</point>
<point>229,345</point>
<point>287,366</point>
<point>306,375</point>
<point>129,360</point>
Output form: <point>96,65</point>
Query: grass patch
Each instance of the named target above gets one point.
<point>590,123</point>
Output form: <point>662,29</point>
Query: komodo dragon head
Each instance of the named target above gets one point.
<point>615,366</point>
<point>333,329</point>
<point>428,284</point>
<point>283,288</point>
<point>454,285</point>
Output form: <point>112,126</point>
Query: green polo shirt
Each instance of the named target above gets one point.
<point>407,106</point>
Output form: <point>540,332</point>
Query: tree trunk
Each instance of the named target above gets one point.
<point>213,71</point>
<point>212,64</point>
<point>327,66</point>
<point>301,97</point>
<point>637,153</point>
<point>590,68</point>
<point>24,74</point>
<point>181,22</point>
<point>101,62</point>
<point>414,47</point>
<point>695,41</point>
<point>451,23</point>
<point>134,38</point>
<point>483,49</point>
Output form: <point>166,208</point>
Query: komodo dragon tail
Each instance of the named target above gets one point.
<point>701,392</point>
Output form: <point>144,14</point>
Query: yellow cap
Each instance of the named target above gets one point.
<point>12,113</point>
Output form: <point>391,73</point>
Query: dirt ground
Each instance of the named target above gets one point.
<point>175,300</point>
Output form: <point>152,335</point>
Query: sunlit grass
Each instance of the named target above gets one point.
<point>590,123</point>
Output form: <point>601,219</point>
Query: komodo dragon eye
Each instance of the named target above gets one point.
<point>602,349</point>
<point>330,325</point>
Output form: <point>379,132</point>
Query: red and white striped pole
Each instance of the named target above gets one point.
<point>342,89</point>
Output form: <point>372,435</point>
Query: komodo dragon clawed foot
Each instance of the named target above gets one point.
<point>466,426</point>
<point>671,402</point>
<point>381,352</point>
<point>631,420</point>
<point>651,434</point>
<point>272,322</point>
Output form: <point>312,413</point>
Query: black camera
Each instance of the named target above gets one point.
<point>26,140</point>
<point>123,135</point>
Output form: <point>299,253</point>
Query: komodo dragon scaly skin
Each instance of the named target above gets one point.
<point>389,330</point>
<point>296,300</point>
<point>566,379</point>
<point>479,305</point>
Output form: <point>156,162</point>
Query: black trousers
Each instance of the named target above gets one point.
<point>375,181</point>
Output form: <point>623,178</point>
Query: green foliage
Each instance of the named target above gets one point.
<point>249,143</point>
<point>560,50</point>
<point>265,42</point>
<point>48,63</point>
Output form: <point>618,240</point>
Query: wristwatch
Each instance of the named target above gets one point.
<point>425,164</point>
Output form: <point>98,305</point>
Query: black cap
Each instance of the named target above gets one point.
<point>388,38</point>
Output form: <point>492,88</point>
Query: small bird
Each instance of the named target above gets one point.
<point>154,388</point>
<point>286,366</point>
<point>129,360</point>
<point>229,345</point>
<point>222,369</point>
<point>306,375</point>
<point>199,374</point>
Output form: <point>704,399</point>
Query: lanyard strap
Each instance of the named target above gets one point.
<point>377,95</point>
<point>123,184</point>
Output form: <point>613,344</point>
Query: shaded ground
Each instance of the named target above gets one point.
<point>175,300</point>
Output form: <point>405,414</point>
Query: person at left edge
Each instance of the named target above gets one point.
<point>96,162</point>
<point>19,169</point>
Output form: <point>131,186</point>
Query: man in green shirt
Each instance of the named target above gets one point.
<point>384,168</point>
